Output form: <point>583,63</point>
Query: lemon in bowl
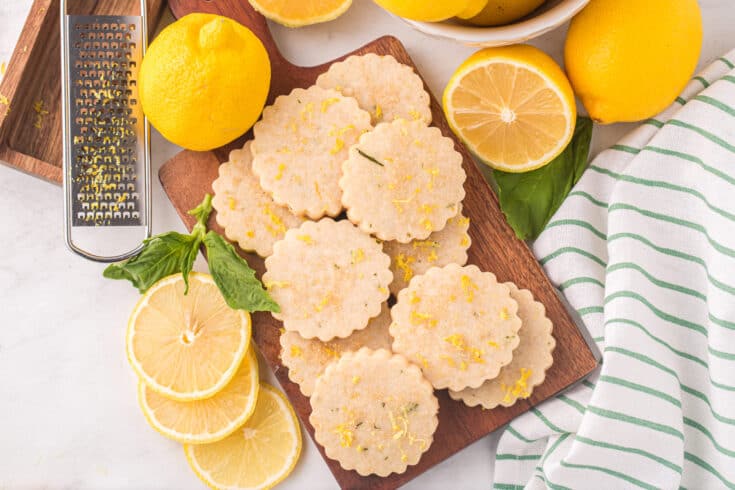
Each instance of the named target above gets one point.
<point>628,60</point>
<point>502,22</point>
<point>204,81</point>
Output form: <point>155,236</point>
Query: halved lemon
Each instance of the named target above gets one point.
<point>209,420</point>
<point>259,455</point>
<point>186,347</point>
<point>512,106</point>
<point>302,12</point>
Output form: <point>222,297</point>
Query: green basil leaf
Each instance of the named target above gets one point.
<point>234,277</point>
<point>162,255</point>
<point>530,199</point>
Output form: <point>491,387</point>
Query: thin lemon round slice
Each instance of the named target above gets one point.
<point>259,455</point>
<point>301,13</point>
<point>512,106</point>
<point>186,346</point>
<point>208,420</point>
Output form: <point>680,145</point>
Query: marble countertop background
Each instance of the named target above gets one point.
<point>69,417</point>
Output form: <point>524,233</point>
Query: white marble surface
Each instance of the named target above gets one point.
<point>68,411</point>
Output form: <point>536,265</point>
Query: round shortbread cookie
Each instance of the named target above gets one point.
<point>448,246</point>
<point>329,278</point>
<point>249,216</point>
<point>458,324</point>
<point>402,181</point>
<point>299,147</point>
<point>384,87</point>
<point>306,359</point>
<point>530,361</point>
<point>374,412</point>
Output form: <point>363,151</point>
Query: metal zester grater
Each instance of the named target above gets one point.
<point>107,195</point>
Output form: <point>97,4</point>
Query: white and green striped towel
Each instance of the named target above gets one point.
<point>644,250</point>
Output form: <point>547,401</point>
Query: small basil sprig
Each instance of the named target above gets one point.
<point>172,252</point>
<point>530,199</point>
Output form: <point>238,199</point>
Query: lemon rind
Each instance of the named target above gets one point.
<point>205,438</point>
<point>292,459</point>
<point>289,22</point>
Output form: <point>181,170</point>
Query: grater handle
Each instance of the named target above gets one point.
<point>66,130</point>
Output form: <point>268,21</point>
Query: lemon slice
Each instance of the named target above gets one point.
<point>259,455</point>
<point>209,420</point>
<point>301,13</point>
<point>186,347</point>
<point>512,106</point>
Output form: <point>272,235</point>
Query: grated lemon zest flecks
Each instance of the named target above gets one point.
<point>382,290</point>
<point>465,241</point>
<point>449,360</point>
<point>339,143</point>
<point>355,380</point>
<point>40,114</point>
<point>414,298</point>
<point>519,389</point>
<point>433,173</point>
<point>493,344</point>
<point>3,68</point>
<point>295,351</point>
<point>277,227</point>
<point>306,239</point>
<point>281,168</point>
<point>414,114</point>
<point>325,300</point>
<point>433,257</point>
<point>250,233</point>
<point>427,224</point>
<point>378,111</point>
<point>424,362</point>
<point>425,244</point>
<point>276,284</point>
<point>403,263</point>
<point>504,314</point>
<point>358,256</point>
<point>345,435</point>
<point>330,350</point>
<point>469,288</point>
<point>457,340</point>
<point>231,202</point>
<point>422,319</point>
<point>328,102</point>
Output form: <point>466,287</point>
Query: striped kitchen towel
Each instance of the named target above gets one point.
<point>644,249</point>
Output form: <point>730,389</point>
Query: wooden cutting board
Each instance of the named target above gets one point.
<point>188,176</point>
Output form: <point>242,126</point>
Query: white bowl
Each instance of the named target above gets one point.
<point>549,16</point>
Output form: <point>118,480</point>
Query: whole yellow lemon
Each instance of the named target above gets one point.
<point>423,10</point>
<point>629,59</point>
<point>204,81</point>
<point>499,12</point>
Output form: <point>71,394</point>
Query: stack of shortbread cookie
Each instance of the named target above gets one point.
<point>352,196</point>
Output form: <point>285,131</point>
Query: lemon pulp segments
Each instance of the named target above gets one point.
<point>302,12</point>
<point>258,455</point>
<point>209,420</point>
<point>512,106</point>
<point>186,347</point>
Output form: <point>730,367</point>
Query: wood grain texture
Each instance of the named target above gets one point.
<point>34,74</point>
<point>188,176</point>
